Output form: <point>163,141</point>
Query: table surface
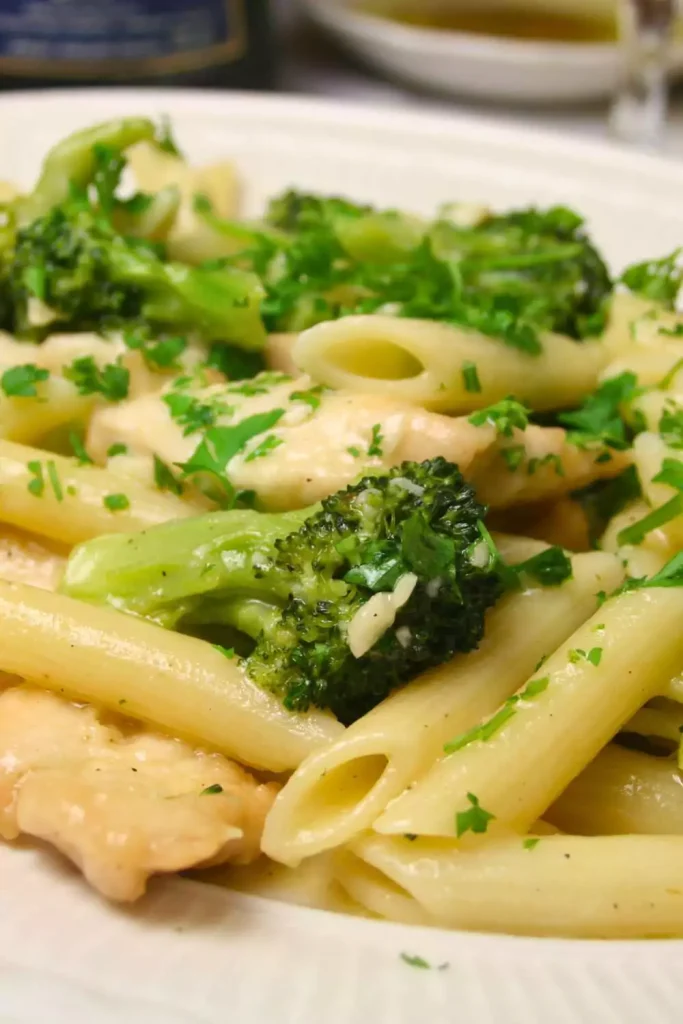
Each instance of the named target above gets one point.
<point>312,64</point>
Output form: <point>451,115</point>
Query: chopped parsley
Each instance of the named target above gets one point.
<point>53,477</point>
<point>671,473</point>
<point>416,961</point>
<point>165,140</point>
<point>551,459</point>
<point>506,416</point>
<point>550,567</point>
<point>375,446</point>
<point>78,449</point>
<point>36,486</point>
<point>267,445</point>
<point>220,444</point>
<point>513,456</point>
<point>636,533</point>
<point>116,502</point>
<point>227,652</point>
<point>599,419</point>
<point>470,377</point>
<point>212,790</point>
<point>111,381</point>
<point>485,730</point>
<point>117,449</point>
<point>310,397</point>
<point>20,381</point>
<point>356,452</point>
<point>671,426</point>
<point>475,819</point>
<point>164,477</point>
<point>531,842</point>
<point>192,414</point>
<point>670,575</point>
<point>594,655</point>
<point>158,355</point>
<point>659,280</point>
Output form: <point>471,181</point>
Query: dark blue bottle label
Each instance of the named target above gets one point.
<point>115,38</point>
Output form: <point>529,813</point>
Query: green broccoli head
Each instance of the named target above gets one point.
<point>344,601</point>
<point>73,258</point>
<point>509,276</point>
<point>339,643</point>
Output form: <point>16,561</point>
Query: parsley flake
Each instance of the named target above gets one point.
<point>671,473</point>
<point>53,477</point>
<point>220,444</point>
<point>375,446</point>
<point>310,397</point>
<point>116,449</point>
<point>352,450</point>
<point>20,381</point>
<point>636,532</point>
<point>116,502</point>
<point>594,656</point>
<point>531,842</point>
<point>506,416</point>
<point>475,819</point>
<point>416,961</point>
<point>227,652</point>
<point>164,477</point>
<point>470,377</point>
<point>212,790</point>
<point>36,486</point>
<point>267,445</point>
<point>112,381</point>
<point>78,449</point>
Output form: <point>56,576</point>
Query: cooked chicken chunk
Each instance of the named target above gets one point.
<point>122,805</point>
<point>324,440</point>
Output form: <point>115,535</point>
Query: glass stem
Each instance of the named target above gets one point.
<point>640,107</point>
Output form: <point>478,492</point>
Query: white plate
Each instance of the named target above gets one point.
<point>193,954</point>
<point>479,66</point>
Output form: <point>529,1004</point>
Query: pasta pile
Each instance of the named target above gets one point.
<point>389,510</point>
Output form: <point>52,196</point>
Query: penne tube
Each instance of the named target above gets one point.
<point>55,497</point>
<point>598,887</point>
<point>55,403</point>
<point>342,789</point>
<point>622,792</point>
<point>176,682</point>
<point>594,683</point>
<point>374,891</point>
<point>422,361</point>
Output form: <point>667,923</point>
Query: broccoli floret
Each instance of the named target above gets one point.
<point>68,252</point>
<point>344,601</point>
<point>509,276</point>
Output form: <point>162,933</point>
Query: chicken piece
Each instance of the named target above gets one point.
<point>548,467</point>
<point>120,802</point>
<point>325,443</point>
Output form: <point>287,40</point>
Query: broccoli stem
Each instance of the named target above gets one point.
<point>72,162</point>
<point>182,570</point>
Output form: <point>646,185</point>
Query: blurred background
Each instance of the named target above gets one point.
<point>595,67</point>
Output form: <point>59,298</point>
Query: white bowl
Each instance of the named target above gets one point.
<point>478,66</point>
<point>194,954</point>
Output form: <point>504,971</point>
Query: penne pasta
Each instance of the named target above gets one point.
<point>577,705</point>
<point>54,497</point>
<point>581,886</point>
<point>341,790</point>
<point>176,682</point>
<point>422,362</point>
<point>622,792</point>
